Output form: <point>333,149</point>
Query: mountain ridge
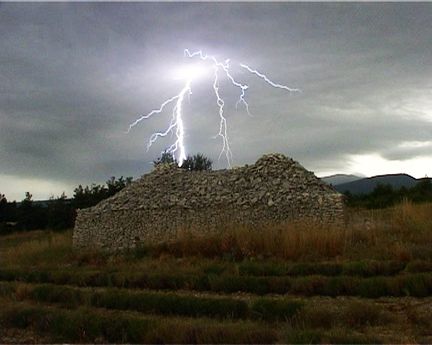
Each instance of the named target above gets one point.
<point>368,184</point>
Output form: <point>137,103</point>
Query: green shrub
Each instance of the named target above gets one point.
<point>262,268</point>
<point>372,287</point>
<point>157,303</point>
<point>8,274</point>
<point>328,269</point>
<point>19,317</point>
<point>7,289</point>
<point>370,268</point>
<point>84,325</point>
<point>60,277</point>
<point>419,266</point>
<point>214,268</point>
<point>365,268</point>
<point>309,286</point>
<point>392,267</point>
<point>272,309</point>
<point>232,284</point>
<point>171,304</point>
<point>417,285</point>
<point>340,286</point>
<point>57,294</point>
<point>279,285</point>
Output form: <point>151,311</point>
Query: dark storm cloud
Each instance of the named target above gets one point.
<point>74,75</point>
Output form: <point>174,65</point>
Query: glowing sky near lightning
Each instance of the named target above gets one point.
<point>73,76</point>
<point>191,73</point>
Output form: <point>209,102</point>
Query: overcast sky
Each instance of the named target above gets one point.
<point>73,76</point>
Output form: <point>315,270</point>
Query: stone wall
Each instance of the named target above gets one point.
<point>155,207</point>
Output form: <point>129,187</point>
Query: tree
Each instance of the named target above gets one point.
<point>91,195</point>
<point>165,158</point>
<point>30,216</point>
<point>3,208</point>
<point>115,186</point>
<point>197,162</point>
<point>422,191</point>
<point>61,214</point>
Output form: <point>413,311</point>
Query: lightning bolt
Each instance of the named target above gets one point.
<point>267,80</point>
<point>176,124</point>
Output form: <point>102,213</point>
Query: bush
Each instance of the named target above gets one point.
<point>418,266</point>
<point>84,325</point>
<point>232,284</point>
<point>340,286</point>
<point>417,285</point>
<point>372,287</point>
<point>157,303</point>
<point>197,162</point>
<point>309,286</point>
<point>171,304</point>
<point>272,309</point>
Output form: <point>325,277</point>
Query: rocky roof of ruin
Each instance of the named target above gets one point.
<point>273,179</point>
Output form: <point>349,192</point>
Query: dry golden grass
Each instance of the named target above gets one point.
<point>31,251</point>
<point>402,233</point>
<point>284,241</point>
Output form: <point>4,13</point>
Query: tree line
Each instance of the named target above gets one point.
<point>384,195</point>
<point>59,212</point>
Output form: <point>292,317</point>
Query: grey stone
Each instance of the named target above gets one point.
<point>157,205</point>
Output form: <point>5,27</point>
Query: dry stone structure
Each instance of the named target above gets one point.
<point>156,206</point>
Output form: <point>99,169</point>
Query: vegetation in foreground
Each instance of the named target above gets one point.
<point>370,282</point>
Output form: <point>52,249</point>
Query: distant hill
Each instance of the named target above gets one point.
<point>367,185</point>
<point>340,178</point>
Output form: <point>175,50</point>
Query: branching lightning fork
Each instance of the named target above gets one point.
<point>176,123</point>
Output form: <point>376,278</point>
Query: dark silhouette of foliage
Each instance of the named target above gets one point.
<point>385,195</point>
<point>197,162</point>
<point>91,195</point>
<point>57,213</point>
<point>3,208</point>
<point>31,216</point>
<point>61,214</point>
<point>165,158</point>
<point>115,186</point>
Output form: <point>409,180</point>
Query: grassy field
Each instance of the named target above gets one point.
<point>368,282</point>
